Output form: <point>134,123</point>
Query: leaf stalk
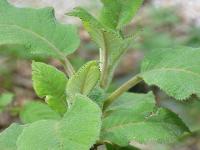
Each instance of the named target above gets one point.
<point>68,67</point>
<point>126,86</point>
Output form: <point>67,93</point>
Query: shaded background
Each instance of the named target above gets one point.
<point>159,23</point>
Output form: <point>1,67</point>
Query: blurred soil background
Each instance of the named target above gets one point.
<point>160,23</point>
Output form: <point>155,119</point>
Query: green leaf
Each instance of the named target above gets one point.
<point>78,130</point>
<point>84,80</point>
<point>115,147</point>
<point>112,45</point>
<point>34,111</point>
<point>134,117</point>
<point>50,83</point>
<point>47,80</point>
<point>5,99</point>
<point>36,30</point>
<point>176,71</point>
<point>118,13</point>
<point>9,137</point>
<point>57,104</point>
<point>98,95</point>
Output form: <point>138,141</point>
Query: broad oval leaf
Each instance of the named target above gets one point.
<point>78,130</point>
<point>84,80</point>
<point>34,111</point>
<point>133,117</point>
<point>176,71</point>
<point>50,83</point>
<point>36,30</point>
<point>9,137</point>
<point>118,13</point>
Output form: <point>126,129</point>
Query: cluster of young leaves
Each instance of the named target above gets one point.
<point>76,115</point>
<point>107,34</point>
<point>48,129</point>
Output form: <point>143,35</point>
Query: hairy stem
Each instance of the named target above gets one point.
<point>104,65</point>
<point>68,67</point>
<point>126,86</point>
<point>104,73</point>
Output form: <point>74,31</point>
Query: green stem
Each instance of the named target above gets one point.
<point>104,80</point>
<point>68,67</point>
<point>126,86</point>
<point>104,58</point>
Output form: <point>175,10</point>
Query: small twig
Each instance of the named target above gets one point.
<point>126,86</point>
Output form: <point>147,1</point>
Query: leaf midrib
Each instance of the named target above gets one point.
<point>57,50</point>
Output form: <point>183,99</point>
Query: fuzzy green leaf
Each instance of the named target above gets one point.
<point>50,83</point>
<point>118,13</point>
<point>98,95</point>
<point>78,130</point>
<point>91,24</point>
<point>34,111</point>
<point>36,30</point>
<point>176,71</point>
<point>112,45</point>
<point>84,80</point>
<point>9,137</point>
<point>133,117</point>
<point>47,80</point>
